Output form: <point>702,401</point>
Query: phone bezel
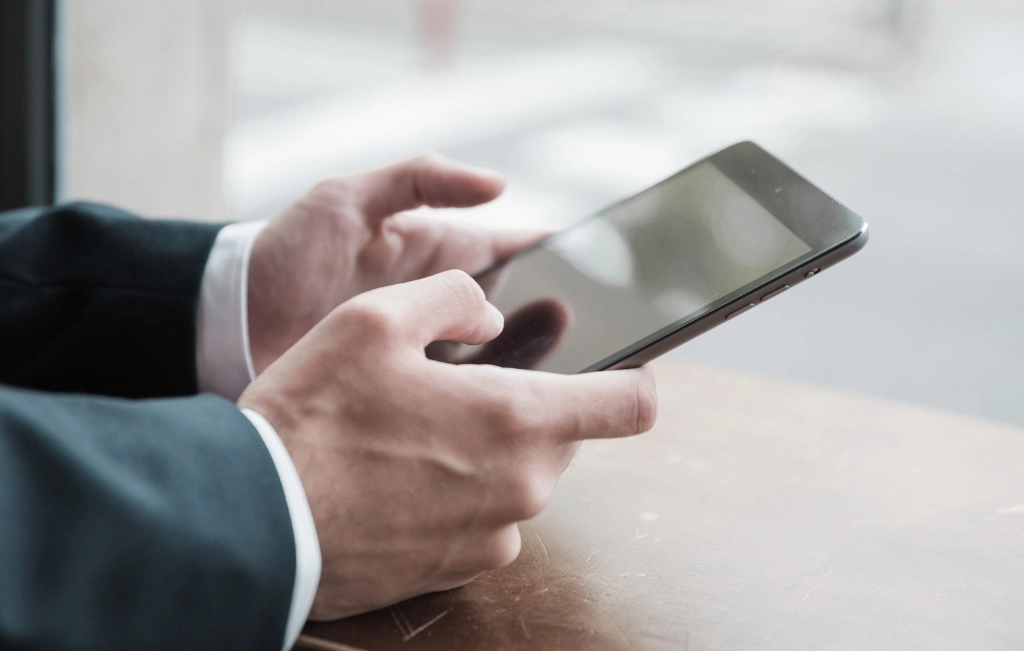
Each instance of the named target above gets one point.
<point>833,231</point>
<point>688,328</point>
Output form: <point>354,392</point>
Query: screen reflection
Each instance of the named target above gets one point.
<point>600,286</point>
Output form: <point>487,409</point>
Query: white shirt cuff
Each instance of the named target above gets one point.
<point>307,546</point>
<point>223,359</point>
<point>224,366</point>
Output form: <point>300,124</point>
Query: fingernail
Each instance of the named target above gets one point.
<point>499,317</point>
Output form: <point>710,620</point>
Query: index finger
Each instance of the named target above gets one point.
<point>428,180</point>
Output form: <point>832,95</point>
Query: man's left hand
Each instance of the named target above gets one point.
<point>349,235</point>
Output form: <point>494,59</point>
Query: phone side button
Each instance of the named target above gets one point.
<point>774,293</point>
<point>739,311</point>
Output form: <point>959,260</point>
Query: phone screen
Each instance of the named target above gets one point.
<point>640,266</point>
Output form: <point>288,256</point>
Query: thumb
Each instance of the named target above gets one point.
<point>449,306</point>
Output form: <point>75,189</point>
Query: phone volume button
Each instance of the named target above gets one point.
<point>739,311</point>
<point>774,293</point>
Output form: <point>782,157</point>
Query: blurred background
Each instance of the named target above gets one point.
<point>909,111</point>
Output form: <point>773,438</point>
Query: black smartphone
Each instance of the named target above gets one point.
<point>649,273</point>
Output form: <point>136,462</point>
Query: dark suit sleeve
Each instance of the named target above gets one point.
<point>95,300</point>
<point>154,524</point>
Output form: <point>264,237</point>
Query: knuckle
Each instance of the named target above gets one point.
<point>462,283</point>
<point>532,497</point>
<point>334,199</point>
<point>422,173</point>
<point>502,416</point>
<point>370,315</point>
<point>464,289</point>
<point>645,405</point>
<point>514,422</point>
<point>337,189</point>
<point>577,426</point>
<point>503,548</point>
<point>427,159</point>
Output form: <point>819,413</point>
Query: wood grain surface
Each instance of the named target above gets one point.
<point>758,514</point>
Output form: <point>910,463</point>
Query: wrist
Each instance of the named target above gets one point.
<point>308,557</point>
<point>223,360</point>
<point>268,331</point>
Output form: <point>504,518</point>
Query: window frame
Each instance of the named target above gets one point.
<point>28,139</point>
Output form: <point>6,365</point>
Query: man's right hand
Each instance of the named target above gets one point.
<point>416,470</point>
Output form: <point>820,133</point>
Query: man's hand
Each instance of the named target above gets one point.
<point>417,471</point>
<point>348,236</point>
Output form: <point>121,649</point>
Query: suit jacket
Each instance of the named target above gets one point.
<point>134,514</point>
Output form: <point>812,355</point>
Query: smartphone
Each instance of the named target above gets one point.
<point>649,273</point>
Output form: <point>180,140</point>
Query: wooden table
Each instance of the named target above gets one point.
<point>757,515</point>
